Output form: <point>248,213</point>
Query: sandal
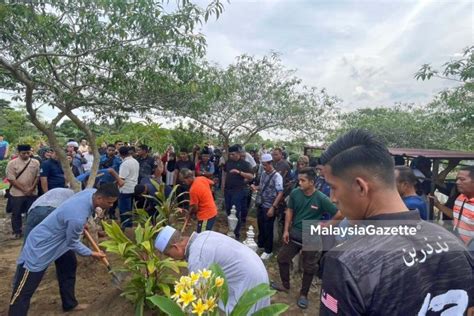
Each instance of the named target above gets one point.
<point>279,287</point>
<point>302,302</point>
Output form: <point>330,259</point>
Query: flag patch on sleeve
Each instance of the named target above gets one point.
<point>329,301</point>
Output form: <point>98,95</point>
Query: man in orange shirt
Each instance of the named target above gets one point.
<point>201,201</point>
<point>463,210</point>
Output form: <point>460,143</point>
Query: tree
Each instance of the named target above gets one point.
<point>16,126</point>
<point>403,125</point>
<point>98,56</point>
<point>254,95</point>
<point>453,109</point>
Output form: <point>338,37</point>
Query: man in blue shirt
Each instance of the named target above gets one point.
<point>57,238</point>
<point>406,182</point>
<point>51,174</point>
<point>4,146</point>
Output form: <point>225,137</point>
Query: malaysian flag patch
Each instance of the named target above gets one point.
<point>329,301</point>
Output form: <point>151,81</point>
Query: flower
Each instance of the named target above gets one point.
<point>187,297</point>
<point>211,303</point>
<point>177,294</point>
<point>199,308</point>
<point>219,281</point>
<point>206,274</point>
<point>185,281</point>
<point>194,277</point>
<point>179,287</point>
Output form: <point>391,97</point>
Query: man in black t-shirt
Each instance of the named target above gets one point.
<point>428,272</point>
<point>236,177</point>
<point>182,163</point>
<point>147,163</point>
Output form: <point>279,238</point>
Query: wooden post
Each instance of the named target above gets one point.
<point>434,178</point>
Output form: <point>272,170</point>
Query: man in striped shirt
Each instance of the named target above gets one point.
<point>463,210</point>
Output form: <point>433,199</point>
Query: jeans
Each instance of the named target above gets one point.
<point>265,229</point>
<point>310,262</point>
<point>125,208</point>
<point>206,224</point>
<point>36,216</point>
<point>19,205</point>
<point>26,283</point>
<point>239,199</point>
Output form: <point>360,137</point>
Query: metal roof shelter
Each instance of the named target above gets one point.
<point>435,155</point>
<point>432,153</point>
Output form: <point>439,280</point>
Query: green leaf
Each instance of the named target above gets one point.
<point>165,288</point>
<point>139,308</point>
<point>121,248</point>
<point>150,266</point>
<point>217,270</point>
<point>139,234</point>
<point>166,305</point>
<point>250,297</point>
<point>274,310</point>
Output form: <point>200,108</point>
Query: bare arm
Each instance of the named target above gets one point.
<point>44,184</point>
<point>120,181</point>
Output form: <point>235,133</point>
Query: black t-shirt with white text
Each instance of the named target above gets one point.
<point>425,274</point>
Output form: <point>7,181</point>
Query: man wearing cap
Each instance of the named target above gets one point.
<point>23,175</point>
<point>78,161</point>
<point>242,267</point>
<point>237,174</point>
<point>201,201</point>
<point>271,192</point>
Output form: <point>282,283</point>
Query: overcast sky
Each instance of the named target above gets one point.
<point>365,52</point>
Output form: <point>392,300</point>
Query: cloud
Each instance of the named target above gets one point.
<point>365,52</point>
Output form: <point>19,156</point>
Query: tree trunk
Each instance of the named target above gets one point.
<point>52,139</point>
<point>92,143</point>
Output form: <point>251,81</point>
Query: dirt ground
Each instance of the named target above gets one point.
<point>93,284</point>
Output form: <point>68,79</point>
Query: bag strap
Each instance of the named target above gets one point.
<point>460,214</point>
<point>21,172</point>
<point>268,181</point>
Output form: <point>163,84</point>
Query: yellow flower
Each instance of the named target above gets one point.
<point>219,281</point>
<point>199,308</point>
<point>177,294</point>
<point>178,287</point>
<point>206,274</point>
<point>185,281</point>
<point>211,303</point>
<point>187,297</point>
<point>194,277</point>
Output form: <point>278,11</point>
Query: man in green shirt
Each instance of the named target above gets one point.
<point>305,203</point>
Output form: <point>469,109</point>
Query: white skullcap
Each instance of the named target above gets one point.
<point>163,238</point>
<point>266,158</point>
<point>73,144</point>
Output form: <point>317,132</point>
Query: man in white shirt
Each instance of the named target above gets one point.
<point>242,267</point>
<point>127,179</point>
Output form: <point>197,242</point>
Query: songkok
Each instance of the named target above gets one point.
<point>163,238</point>
<point>23,147</point>
<point>235,148</point>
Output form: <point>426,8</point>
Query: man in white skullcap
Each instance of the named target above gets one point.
<point>242,267</point>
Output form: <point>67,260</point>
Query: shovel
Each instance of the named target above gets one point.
<point>117,278</point>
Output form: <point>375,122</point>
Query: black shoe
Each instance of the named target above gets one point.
<point>279,287</point>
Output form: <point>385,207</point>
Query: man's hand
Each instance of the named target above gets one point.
<point>286,237</point>
<point>235,171</point>
<point>271,212</point>
<point>254,187</point>
<point>97,255</point>
<point>434,198</point>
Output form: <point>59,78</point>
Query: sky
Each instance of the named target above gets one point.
<point>364,52</point>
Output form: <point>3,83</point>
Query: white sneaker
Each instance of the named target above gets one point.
<point>266,256</point>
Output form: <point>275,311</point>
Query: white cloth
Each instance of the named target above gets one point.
<point>52,198</point>
<point>250,160</point>
<point>90,159</point>
<point>242,267</point>
<point>129,170</point>
<point>169,177</point>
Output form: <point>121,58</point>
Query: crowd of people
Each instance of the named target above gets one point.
<point>355,179</point>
